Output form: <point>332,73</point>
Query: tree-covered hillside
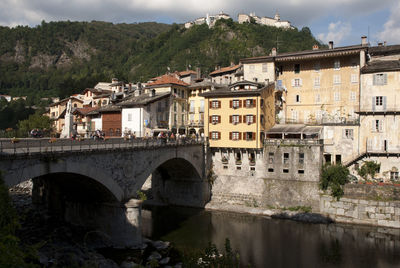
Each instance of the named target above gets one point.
<point>61,58</point>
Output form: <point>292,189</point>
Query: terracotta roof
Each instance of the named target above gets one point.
<point>381,66</point>
<point>384,50</point>
<point>143,99</point>
<point>203,84</point>
<point>225,69</point>
<point>185,73</point>
<point>65,100</point>
<point>167,79</point>
<point>85,110</point>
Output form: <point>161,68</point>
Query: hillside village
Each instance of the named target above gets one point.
<point>339,102</point>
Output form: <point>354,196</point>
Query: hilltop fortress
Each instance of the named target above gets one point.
<point>210,20</point>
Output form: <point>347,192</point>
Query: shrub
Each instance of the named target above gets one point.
<point>334,177</point>
<point>368,170</point>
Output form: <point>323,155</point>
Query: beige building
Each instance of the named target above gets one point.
<point>259,69</point>
<point>238,116</point>
<point>379,111</point>
<point>227,75</point>
<point>177,117</point>
<point>57,111</point>
<point>275,21</point>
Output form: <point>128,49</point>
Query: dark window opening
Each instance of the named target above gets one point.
<point>238,168</point>
<point>285,170</point>
<point>225,167</point>
<point>338,159</point>
<point>297,68</point>
<point>328,159</point>
<point>301,171</point>
<point>253,168</point>
<point>270,170</point>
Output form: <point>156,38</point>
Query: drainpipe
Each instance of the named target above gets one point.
<point>258,122</point>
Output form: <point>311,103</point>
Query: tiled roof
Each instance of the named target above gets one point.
<point>109,108</point>
<point>167,79</point>
<point>185,73</point>
<point>384,50</point>
<point>381,66</point>
<point>225,70</point>
<point>85,110</point>
<point>66,100</point>
<point>143,99</point>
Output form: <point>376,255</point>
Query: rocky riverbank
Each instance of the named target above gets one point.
<point>59,244</point>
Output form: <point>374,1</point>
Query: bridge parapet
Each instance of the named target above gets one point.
<point>10,148</point>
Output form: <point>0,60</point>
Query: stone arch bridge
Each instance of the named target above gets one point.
<point>87,181</point>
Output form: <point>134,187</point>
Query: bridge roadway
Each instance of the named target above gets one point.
<point>94,183</point>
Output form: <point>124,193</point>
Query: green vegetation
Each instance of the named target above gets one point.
<point>368,170</point>
<point>334,177</point>
<point>12,254</point>
<point>211,257</point>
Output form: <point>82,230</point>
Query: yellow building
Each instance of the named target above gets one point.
<point>57,111</point>
<point>238,116</point>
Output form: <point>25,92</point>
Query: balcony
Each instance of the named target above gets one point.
<point>379,110</point>
<point>196,123</point>
<point>326,120</point>
<point>292,142</point>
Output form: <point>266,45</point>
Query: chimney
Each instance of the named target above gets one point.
<point>330,44</point>
<point>315,47</point>
<point>273,52</point>
<point>198,73</point>
<point>364,41</point>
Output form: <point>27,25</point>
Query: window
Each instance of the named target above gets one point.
<point>297,82</point>
<point>183,119</point>
<point>215,135</point>
<point>317,98</point>
<point>377,125</point>
<point>249,119</point>
<point>215,119</point>
<point>301,158</point>
<point>336,79</point>
<point>348,134</point>
<point>297,68</point>
<point>250,136</point>
<point>317,67</point>
<point>394,175</point>
<point>336,96</point>
<point>270,170</point>
<point>202,106</point>
<point>174,106</point>
<point>297,98</point>
<point>300,171</point>
<point>215,104</point>
<point>380,79</point>
<point>379,100</point>
<point>285,170</point>
<point>175,119</point>
<point>352,95</point>
<point>354,78</point>
<point>317,81</point>
<point>129,117</point>
<point>270,157</point>
<point>264,67</point>
<point>262,119</point>
<point>235,136</point>
<point>336,65</point>
<point>192,106</point>
<point>191,118</point>
<point>262,103</point>
<point>235,119</point>
<point>285,158</point>
<point>235,104</point>
<point>75,105</point>
<point>250,103</point>
<point>183,107</point>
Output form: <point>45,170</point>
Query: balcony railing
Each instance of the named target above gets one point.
<point>293,142</point>
<point>325,121</point>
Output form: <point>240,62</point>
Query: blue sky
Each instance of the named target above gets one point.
<point>343,21</point>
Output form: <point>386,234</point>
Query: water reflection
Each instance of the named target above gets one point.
<point>265,242</point>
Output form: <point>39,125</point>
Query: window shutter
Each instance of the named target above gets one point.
<point>380,125</point>
<point>219,119</point>
<point>240,135</point>
<point>210,104</point>
<point>373,102</point>
<point>219,104</point>
<point>230,119</point>
<point>240,103</point>
<point>385,79</point>
<point>230,104</point>
<point>210,119</point>
<point>210,135</point>
<point>374,79</point>
<point>240,118</point>
<point>254,119</point>
<point>254,136</point>
<point>293,83</point>
<point>230,135</point>
<point>384,103</point>
<point>372,125</point>
<point>219,135</point>
<point>255,103</point>
<point>300,82</point>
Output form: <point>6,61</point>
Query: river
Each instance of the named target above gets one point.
<point>265,242</point>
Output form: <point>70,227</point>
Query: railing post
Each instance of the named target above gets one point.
<point>27,146</point>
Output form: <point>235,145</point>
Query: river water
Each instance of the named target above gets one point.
<point>265,242</point>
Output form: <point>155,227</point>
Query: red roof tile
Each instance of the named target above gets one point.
<point>225,69</point>
<point>167,79</point>
<point>86,110</point>
<point>184,73</point>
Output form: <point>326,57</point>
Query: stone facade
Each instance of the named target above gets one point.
<point>358,211</point>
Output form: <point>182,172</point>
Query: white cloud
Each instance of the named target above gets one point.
<point>337,31</point>
<point>299,12</point>
<point>391,29</point>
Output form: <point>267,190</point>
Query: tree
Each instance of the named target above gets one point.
<point>334,177</point>
<point>35,121</point>
<point>368,170</point>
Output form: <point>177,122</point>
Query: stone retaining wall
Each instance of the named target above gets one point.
<point>358,211</point>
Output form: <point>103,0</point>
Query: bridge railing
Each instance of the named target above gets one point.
<point>48,145</point>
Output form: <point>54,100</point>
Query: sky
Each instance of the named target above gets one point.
<point>341,21</point>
